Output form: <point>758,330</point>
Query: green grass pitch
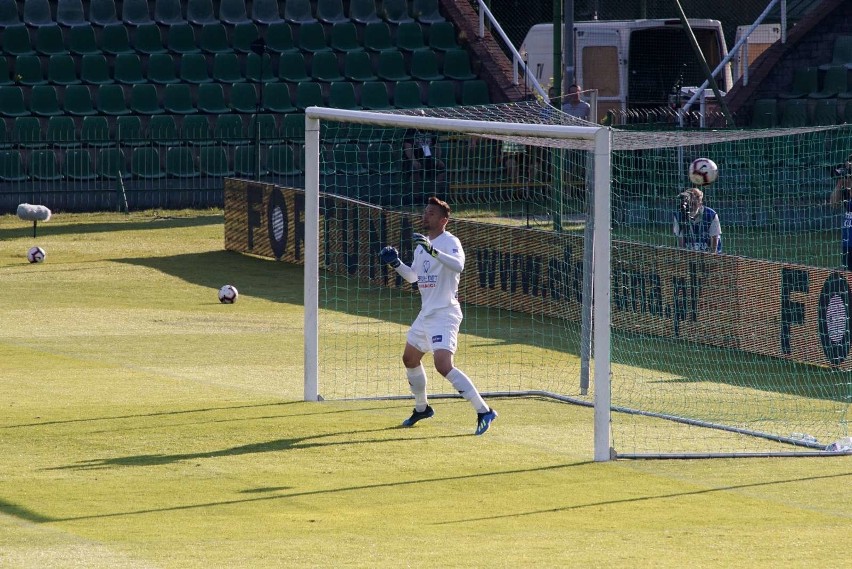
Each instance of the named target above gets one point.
<point>144,424</point>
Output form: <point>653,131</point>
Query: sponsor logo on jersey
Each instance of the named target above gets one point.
<point>437,338</point>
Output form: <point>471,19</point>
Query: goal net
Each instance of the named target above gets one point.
<point>695,354</point>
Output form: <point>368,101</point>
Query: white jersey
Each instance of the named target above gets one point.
<point>437,278</point>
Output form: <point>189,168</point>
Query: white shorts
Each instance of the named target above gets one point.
<point>437,331</point>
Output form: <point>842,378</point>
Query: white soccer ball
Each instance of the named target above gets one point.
<point>228,294</point>
<point>703,171</point>
<point>36,255</point>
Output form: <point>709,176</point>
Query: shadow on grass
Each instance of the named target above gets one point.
<point>24,229</point>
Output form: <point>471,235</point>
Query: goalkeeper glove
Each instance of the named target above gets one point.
<point>390,257</point>
<point>424,242</point>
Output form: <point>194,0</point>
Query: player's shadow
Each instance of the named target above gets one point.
<point>278,445</point>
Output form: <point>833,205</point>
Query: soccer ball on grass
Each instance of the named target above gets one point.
<point>228,294</point>
<point>703,171</point>
<point>36,255</point>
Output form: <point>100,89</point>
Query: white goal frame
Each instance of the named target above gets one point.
<point>596,139</point>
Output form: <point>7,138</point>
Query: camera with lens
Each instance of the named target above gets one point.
<point>843,170</point>
<point>683,208</point>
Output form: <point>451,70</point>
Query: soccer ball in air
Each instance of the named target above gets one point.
<point>36,255</point>
<point>703,171</point>
<point>228,294</point>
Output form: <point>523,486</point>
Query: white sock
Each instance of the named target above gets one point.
<point>465,386</point>
<point>417,382</point>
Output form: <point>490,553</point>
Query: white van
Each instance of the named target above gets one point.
<point>632,63</point>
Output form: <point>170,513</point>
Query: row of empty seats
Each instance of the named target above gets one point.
<point>37,13</point>
<point>768,113</point>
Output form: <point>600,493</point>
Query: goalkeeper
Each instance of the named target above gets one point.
<point>437,266</point>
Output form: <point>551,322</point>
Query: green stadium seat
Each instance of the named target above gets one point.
<point>475,92</point>
<point>214,39</point>
<point>28,70</point>
<point>764,113</point>
<point>193,69</point>
<point>5,72</point>
<point>233,12</point>
<point>226,69</point>
<point>266,12</point>
<point>148,40</point>
<point>145,163</point>
<point>805,81</point>
<point>396,11</point>
<point>12,101</point>
<point>825,112</point>
<point>424,66</point>
<point>391,66</point>
<point>279,38</point>
<point>331,11</point>
<point>276,98</point>
<point>293,127</point>
<point>324,67</point>
<point>243,36</point>
<point>312,38</point>
<point>4,136</point>
<point>406,95</point>
<point>128,69</point>
<point>78,101</point>
<point>833,83</point>
<point>128,131</point>
<point>180,162</point>
<point>12,166</point>
<point>111,101</point>
<point>16,42</point>
<point>49,40</point>
<point>259,68</point>
<point>36,13</point>
<point>442,36</point>
<point>384,158</point>
<point>70,13</point>
<point>357,66</point>
<point>457,65</point>
<point>841,54</point>
<point>211,99</point>
<point>44,101</point>
<point>344,38</point>
<point>308,94</point>
<point>847,113</point>
<point>348,158</point>
<point>136,12</point>
<point>82,40</point>
<point>409,37</point>
<point>169,12</point>
<point>229,130</point>
<point>61,70</point>
<point>282,160</point>
<point>180,38</point>
<point>363,11</point>
<point>115,40</point>
<point>9,16</point>
<point>213,161</point>
<point>266,126</point>
<point>144,99</point>
<point>61,131</point>
<point>103,12</point>
<point>161,69</point>
<point>794,113</point>
<point>243,98</point>
<point>44,166</point>
<point>94,69</point>
<point>196,130</point>
<point>163,130</point>
<point>377,38</point>
<point>427,12</point>
<point>77,165</point>
<point>200,12</point>
<point>95,131</point>
<point>246,163</point>
<point>292,67</point>
<point>374,96</point>
<point>441,94</point>
<point>177,98</point>
<point>110,163</point>
<point>341,95</point>
<point>298,12</point>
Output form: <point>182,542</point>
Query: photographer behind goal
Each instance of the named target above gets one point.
<point>842,196</point>
<point>696,226</point>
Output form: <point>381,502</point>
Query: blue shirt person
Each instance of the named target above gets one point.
<point>697,226</point>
